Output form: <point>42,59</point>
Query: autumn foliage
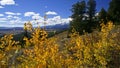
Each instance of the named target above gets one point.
<point>94,50</point>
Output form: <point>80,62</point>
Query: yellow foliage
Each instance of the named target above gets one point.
<point>95,50</point>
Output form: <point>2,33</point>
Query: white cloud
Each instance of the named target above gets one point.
<point>18,13</point>
<point>50,21</point>
<point>1,7</point>
<point>58,20</point>
<point>9,16</point>
<point>37,19</point>
<point>36,16</point>
<point>16,21</point>
<point>66,20</point>
<point>12,13</point>
<point>13,19</point>
<point>1,15</point>
<point>28,14</point>
<point>3,19</point>
<point>51,13</point>
<point>7,2</point>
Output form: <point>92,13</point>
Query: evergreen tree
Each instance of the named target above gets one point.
<point>79,20</point>
<point>103,16</point>
<point>91,10</point>
<point>114,11</point>
<point>78,11</point>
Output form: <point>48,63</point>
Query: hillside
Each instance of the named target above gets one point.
<point>96,48</point>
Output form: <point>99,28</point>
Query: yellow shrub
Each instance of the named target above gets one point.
<point>95,50</point>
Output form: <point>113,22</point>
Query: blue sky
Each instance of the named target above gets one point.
<point>14,13</point>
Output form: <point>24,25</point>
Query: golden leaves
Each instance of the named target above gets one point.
<point>90,50</point>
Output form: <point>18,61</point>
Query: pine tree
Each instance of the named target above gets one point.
<point>80,22</point>
<point>91,10</point>
<point>78,11</point>
<point>114,11</point>
<point>103,16</point>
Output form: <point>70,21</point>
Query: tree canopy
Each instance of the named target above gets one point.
<point>83,16</point>
<point>114,11</point>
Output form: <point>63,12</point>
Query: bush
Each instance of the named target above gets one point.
<point>95,50</point>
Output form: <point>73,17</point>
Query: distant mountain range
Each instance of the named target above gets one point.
<point>56,27</point>
<point>10,28</point>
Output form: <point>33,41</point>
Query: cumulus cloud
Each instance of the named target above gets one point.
<point>9,13</point>
<point>3,19</point>
<point>7,2</point>
<point>37,19</point>
<point>1,15</point>
<point>12,13</point>
<point>51,13</point>
<point>11,18</point>
<point>37,16</point>
<point>28,14</point>
<point>66,20</point>
<point>18,13</point>
<point>50,21</point>
<point>15,17</point>
<point>15,21</point>
<point>58,20</point>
